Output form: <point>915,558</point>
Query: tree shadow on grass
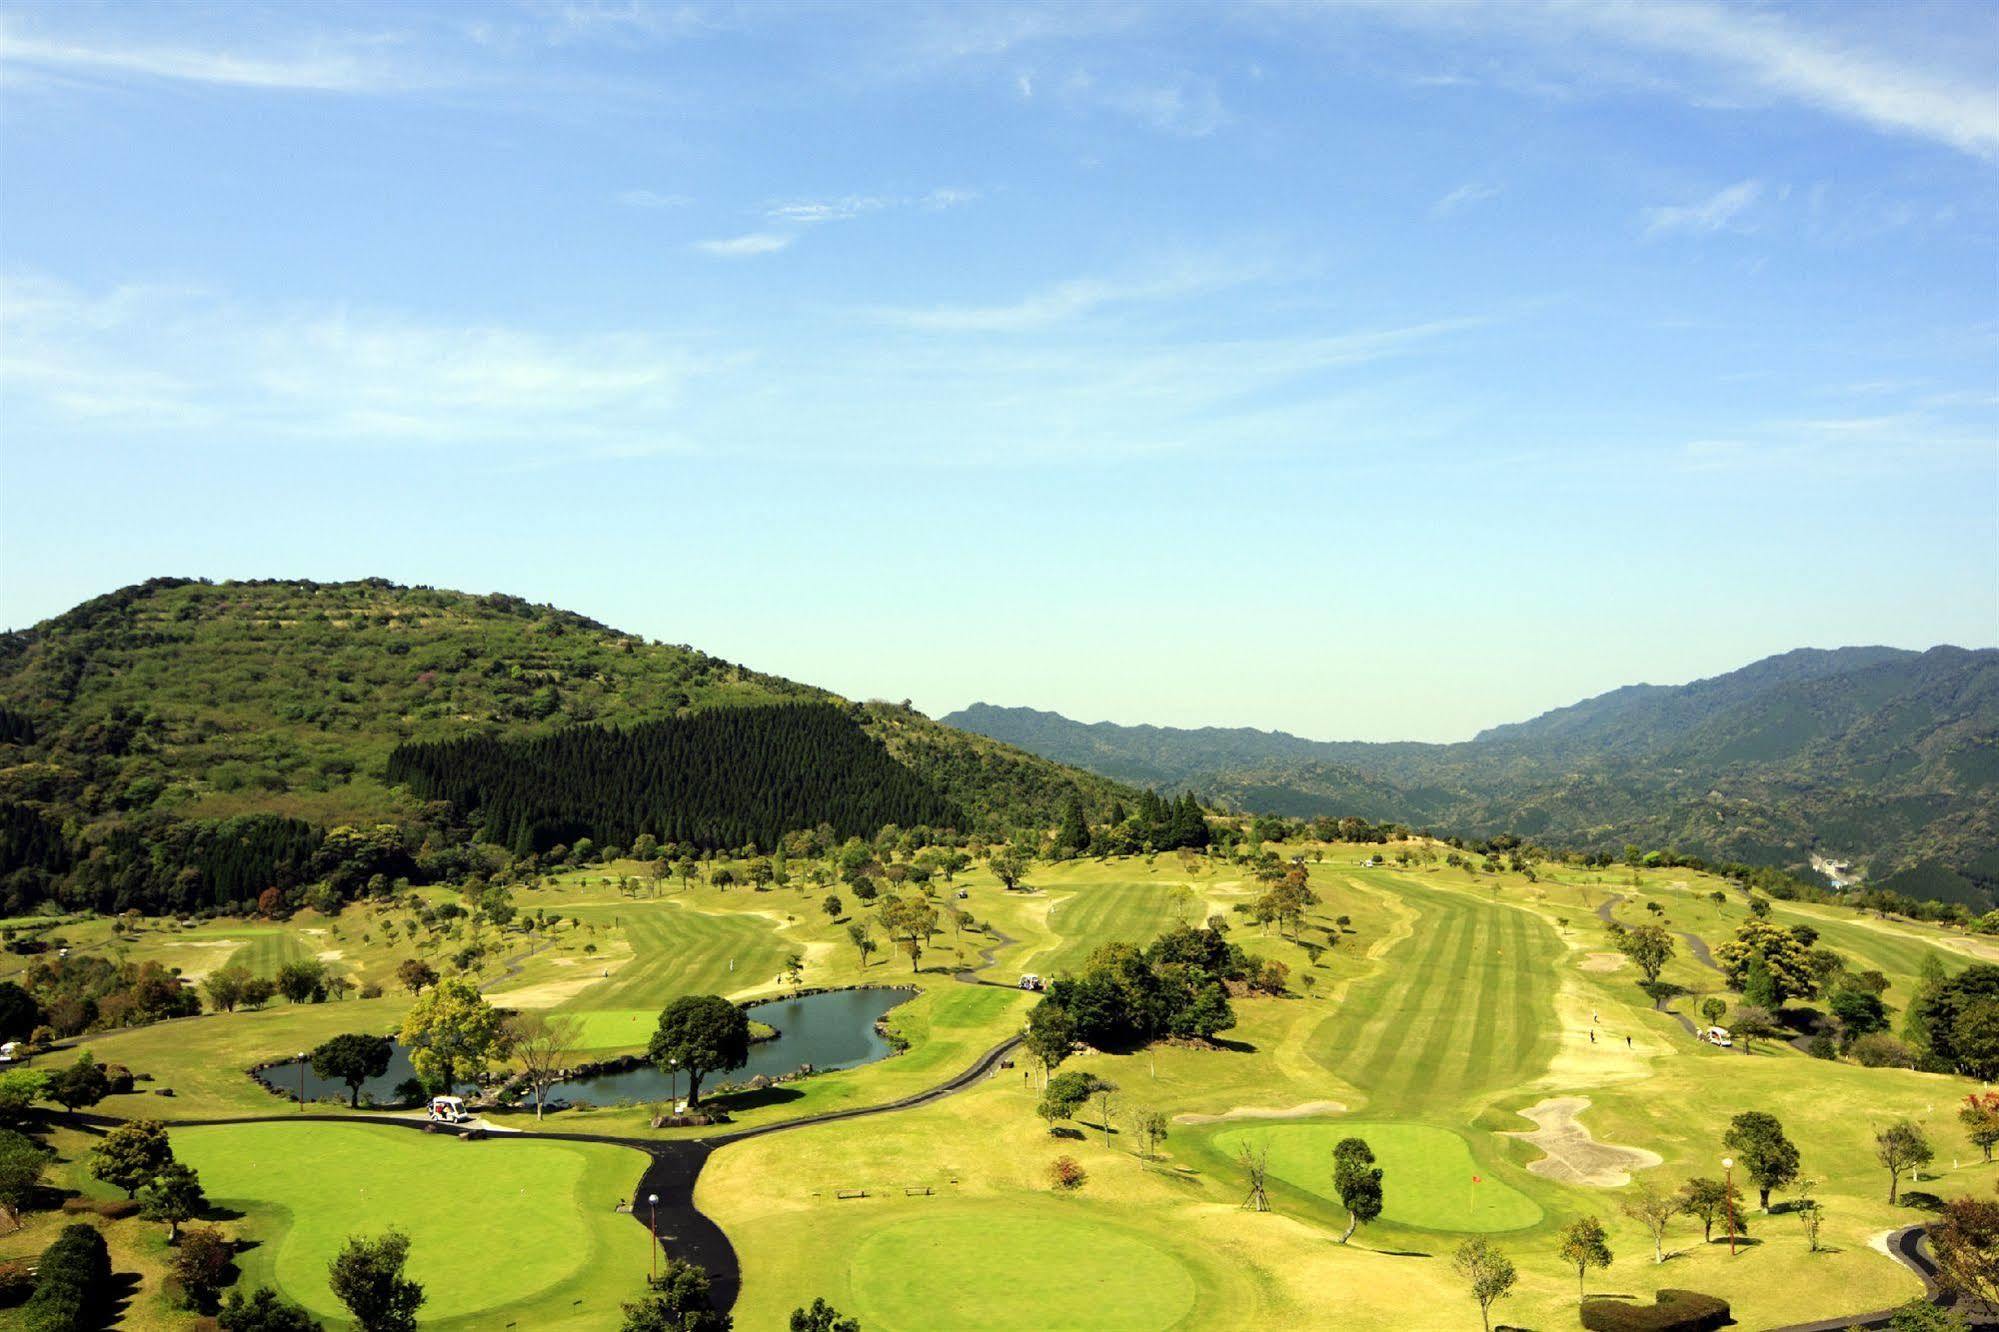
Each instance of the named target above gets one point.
<point>1237,1047</point>
<point>1921,1200</point>
<point>119,1299</point>
<point>755,1098</point>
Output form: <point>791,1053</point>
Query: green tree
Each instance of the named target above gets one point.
<point>1713,1010</point>
<point>677,1300</point>
<point>1009,866</point>
<point>367,1277</point>
<point>822,1317</point>
<point>1764,1153</point>
<point>451,1033</point>
<point>863,939</point>
<point>22,1161</point>
<point>1050,1036</point>
<point>303,980</point>
<point>1583,1244</point>
<point>416,975</point>
<point>1785,956</point>
<point>202,1265</point>
<point>20,1088</point>
<point>1357,1180</point>
<point>353,1058</point>
<point>700,1034</point>
<point>1901,1146</point>
<point>1649,947</point>
<point>265,1311</point>
<point>20,1014</point>
<point>80,1085</point>
<point>1759,986</point>
<point>538,1043</point>
<point>1710,1200</point>
<point>1919,1315</point>
<point>131,1155</point>
<point>174,1196</point>
<point>1074,832</point>
<point>1653,1210</point>
<point>910,920</point>
<point>1979,1113</point>
<point>1488,1273</point>
<point>224,986</point>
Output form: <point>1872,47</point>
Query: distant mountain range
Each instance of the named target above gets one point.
<point>1884,757</point>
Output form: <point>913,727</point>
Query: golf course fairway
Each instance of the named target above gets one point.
<point>1432,1169</point>
<point>546,1206</point>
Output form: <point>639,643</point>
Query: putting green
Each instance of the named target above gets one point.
<point>547,1206</point>
<point>1427,1173</point>
<point>1010,1267</point>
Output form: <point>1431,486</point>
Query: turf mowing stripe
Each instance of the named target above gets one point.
<point>1462,985</point>
<point>1500,960</point>
<point>1438,1006</point>
<point>1389,1001</point>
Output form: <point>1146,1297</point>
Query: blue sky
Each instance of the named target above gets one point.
<point>1369,370</point>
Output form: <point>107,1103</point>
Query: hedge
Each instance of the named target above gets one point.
<point>1674,1311</point>
<point>72,1283</point>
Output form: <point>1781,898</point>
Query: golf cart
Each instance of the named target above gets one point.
<point>447,1110</point>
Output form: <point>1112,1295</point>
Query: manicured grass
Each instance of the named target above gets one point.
<point>498,1230</point>
<point>1043,1265</point>
<point>679,949</point>
<point>1459,1011</point>
<point>1431,1172</point>
<point>1133,913</point>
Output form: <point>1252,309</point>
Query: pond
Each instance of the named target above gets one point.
<point>284,1078</point>
<point>835,1029</point>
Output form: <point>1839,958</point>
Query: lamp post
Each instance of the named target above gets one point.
<point>673,1070</point>
<point>301,1082</point>
<point>1728,1197</point>
<point>653,1200</point>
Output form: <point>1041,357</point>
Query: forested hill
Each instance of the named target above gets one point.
<point>194,733</point>
<point>1887,757</point>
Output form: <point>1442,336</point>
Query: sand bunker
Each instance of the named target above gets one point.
<point>1573,1156</point>
<point>1305,1111</point>
<point>1603,962</point>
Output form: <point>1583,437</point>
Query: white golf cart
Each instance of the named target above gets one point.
<point>447,1110</point>
<point>1717,1036</point>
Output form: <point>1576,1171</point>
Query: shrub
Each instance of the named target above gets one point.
<point>1821,1047</point>
<point>71,1284</point>
<point>16,1282</point>
<point>111,1209</point>
<point>1066,1173</point>
<point>1880,1050</point>
<point>1673,1311</point>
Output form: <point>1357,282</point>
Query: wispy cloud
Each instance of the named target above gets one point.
<point>809,212</point>
<point>1717,55</point>
<point>351,67</point>
<point>1718,212</point>
<point>1463,196</point>
<point>1062,302</point>
<point>148,359</point>
<point>747,246</point>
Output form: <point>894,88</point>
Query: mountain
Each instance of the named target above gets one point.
<point>1885,757</point>
<point>182,739</point>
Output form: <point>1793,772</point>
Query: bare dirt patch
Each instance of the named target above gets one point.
<point>1603,962</point>
<point>1305,1111</point>
<point>1575,1157</point>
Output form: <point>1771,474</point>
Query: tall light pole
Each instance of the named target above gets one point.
<point>1728,1198</point>
<point>301,1082</point>
<point>673,1070</point>
<point>653,1225</point>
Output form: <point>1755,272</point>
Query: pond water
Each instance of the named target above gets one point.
<point>285,1078</point>
<point>831,1030</point>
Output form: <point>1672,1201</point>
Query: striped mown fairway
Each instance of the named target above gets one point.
<point>1462,1009</point>
<point>676,951</point>
<point>1134,913</point>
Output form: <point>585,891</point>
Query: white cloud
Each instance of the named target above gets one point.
<point>147,359</point>
<point>1719,211</point>
<point>353,68</point>
<point>1062,302</point>
<point>1735,55</point>
<point>743,247</point>
<point>810,212</point>
<point>1469,193</point>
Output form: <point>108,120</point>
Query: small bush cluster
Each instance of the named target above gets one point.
<point>1674,1311</point>
<point>72,1283</point>
<point>1066,1173</point>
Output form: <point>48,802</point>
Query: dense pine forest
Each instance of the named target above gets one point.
<point>714,780</point>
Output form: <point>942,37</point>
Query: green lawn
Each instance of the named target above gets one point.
<point>1113,912</point>
<point>499,1230</point>
<point>1431,1169</point>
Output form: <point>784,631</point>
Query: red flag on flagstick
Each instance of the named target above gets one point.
<point>1475,1179</point>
